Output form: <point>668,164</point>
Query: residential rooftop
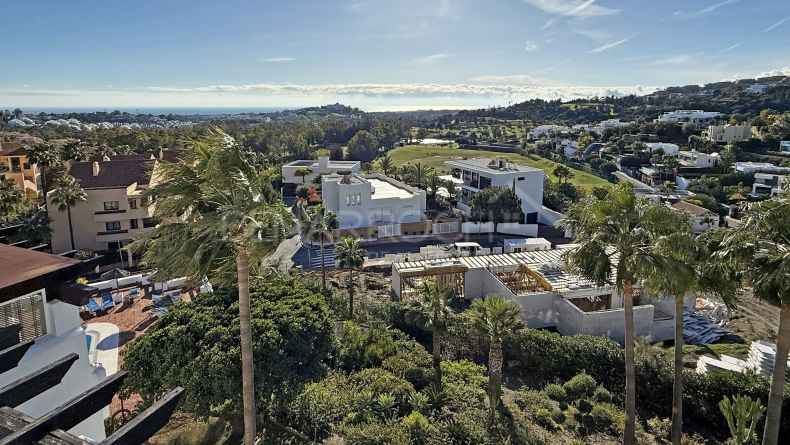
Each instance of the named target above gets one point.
<point>115,173</point>
<point>490,165</point>
<point>690,208</point>
<point>25,270</point>
<point>314,163</point>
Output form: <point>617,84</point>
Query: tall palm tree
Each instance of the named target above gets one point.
<point>386,165</point>
<point>701,272</point>
<point>432,311</point>
<point>624,227</point>
<point>761,249</point>
<point>11,198</point>
<point>418,174</point>
<point>317,224</point>
<point>350,255</point>
<point>220,218</point>
<point>666,188</point>
<point>494,318</point>
<point>44,156</point>
<point>66,194</point>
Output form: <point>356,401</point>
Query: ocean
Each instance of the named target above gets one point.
<point>206,111</point>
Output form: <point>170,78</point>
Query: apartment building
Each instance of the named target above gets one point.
<point>479,173</point>
<point>14,165</point>
<point>767,185</point>
<point>724,134</point>
<point>116,210</point>
<point>699,118</point>
<point>321,166</point>
<point>550,296</point>
<point>697,159</point>
<point>374,206</point>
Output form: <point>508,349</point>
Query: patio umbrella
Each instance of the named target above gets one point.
<point>115,274</point>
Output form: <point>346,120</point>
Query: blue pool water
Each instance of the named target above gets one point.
<point>88,340</point>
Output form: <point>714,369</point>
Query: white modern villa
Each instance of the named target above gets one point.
<point>321,166</point>
<point>699,118</point>
<point>374,206</point>
<point>724,134</point>
<point>768,184</point>
<point>548,294</point>
<point>479,173</point>
<point>698,159</point>
<point>666,147</point>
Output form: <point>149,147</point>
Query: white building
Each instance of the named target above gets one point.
<point>35,307</point>
<point>542,131</point>
<point>321,166</point>
<point>758,88</point>
<point>760,167</point>
<point>375,206</point>
<point>699,118</point>
<point>517,245</point>
<point>667,148</point>
<point>768,184</point>
<point>695,158</point>
<point>702,219</point>
<point>548,294</point>
<point>568,146</point>
<point>725,134</point>
<point>479,173</point>
<point>784,146</point>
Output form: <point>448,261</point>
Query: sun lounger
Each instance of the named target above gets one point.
<point>92,306</point>
<point>107,301</point>
<point>134,292</point>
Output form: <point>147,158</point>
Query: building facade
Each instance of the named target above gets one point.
<point>767,185</point>
<point>374,206</point>
<point>667,148</point>
<point>724,134</point>
<point>116,210</point>
<point>479,173</point>
<point>702,219</point>
<point>321,166</point>
<point>17,167</point>
<point>699,118</point>
<point>698,159</point>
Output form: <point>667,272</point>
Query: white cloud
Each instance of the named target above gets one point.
<point>729,48</point>
<point>433,58</point>
<point>716,6</point>
<point>518,79</point>
<point>776,24</point>
<point>785,71</point>
<point>673,60</point>
<point>610,45</point>
<point>572,8</point>
<point>530,46</point>
<point>278,59</point>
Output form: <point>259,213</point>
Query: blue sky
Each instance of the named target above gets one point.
<point>377,54</point>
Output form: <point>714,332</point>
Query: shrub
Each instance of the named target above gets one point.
<point>581,385</point>
<point>463,372</point>
<point>543,418</point>
<point>584,405</point>
<point>417,425</point>
<point>558,416</point>
<point>380,381</point>
<point>602,394</point>
<point>607,418</point>
<point>555,392</point>
<point>375,433</point>
<point>659,427</point>
<point>530,400</point>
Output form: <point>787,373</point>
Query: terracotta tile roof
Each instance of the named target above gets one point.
<point>113,174</point>
<point>12,149</point>
<point>690,208</point>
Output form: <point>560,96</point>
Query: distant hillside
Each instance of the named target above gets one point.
<point>725,97</point>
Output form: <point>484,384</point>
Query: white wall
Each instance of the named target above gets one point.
<point>65,335</point>
<point>473,227</point>
<point>518,229</point>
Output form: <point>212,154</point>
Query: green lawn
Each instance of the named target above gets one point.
<point>435,156</point>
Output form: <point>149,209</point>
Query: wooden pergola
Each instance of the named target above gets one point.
<point>446,275</point>
<point>520,279</point>
<point>51,428</point>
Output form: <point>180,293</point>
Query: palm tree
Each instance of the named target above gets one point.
<point>432,311</point>
<point>702,272</point>
<point>350,255</point>
<point>385,164</point>
<point>494,318</point>
<point>220,217</point>
<point>625,227</point>
<point>303,172</point>
<point>317,224</point>
<point>760,249</point>
<point>432,184</point>
<point>44,156</point>
<point>11,197</point>
<point>74,150</point>
<point>666,188</point>
<point>66,194</point>
<point>418,173</point>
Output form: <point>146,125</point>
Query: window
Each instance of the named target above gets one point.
<point>133,224</point>
<point>26,166</point>
<point>132,203</point>
<point>22,319</point>
<point>111,205</point>
<point>354,199</point>
<point>15,165</point>
<point>112,226</point>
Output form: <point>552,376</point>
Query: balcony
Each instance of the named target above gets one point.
<point>106,212</point>
<point>112,235</point>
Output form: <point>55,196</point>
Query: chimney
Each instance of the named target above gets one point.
<point>95,168</point>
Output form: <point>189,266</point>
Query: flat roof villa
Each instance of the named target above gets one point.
<point>320,166</point>
<point>549,296</point>
<point>479,173</point>
<point>375,206</point>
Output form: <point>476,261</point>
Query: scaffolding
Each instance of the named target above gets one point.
<point>520,279</point>
<point>450,274</point>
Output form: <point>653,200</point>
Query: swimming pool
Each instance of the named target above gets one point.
<point>91,342</point>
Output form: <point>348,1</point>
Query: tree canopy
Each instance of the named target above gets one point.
<point>496,204</point>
